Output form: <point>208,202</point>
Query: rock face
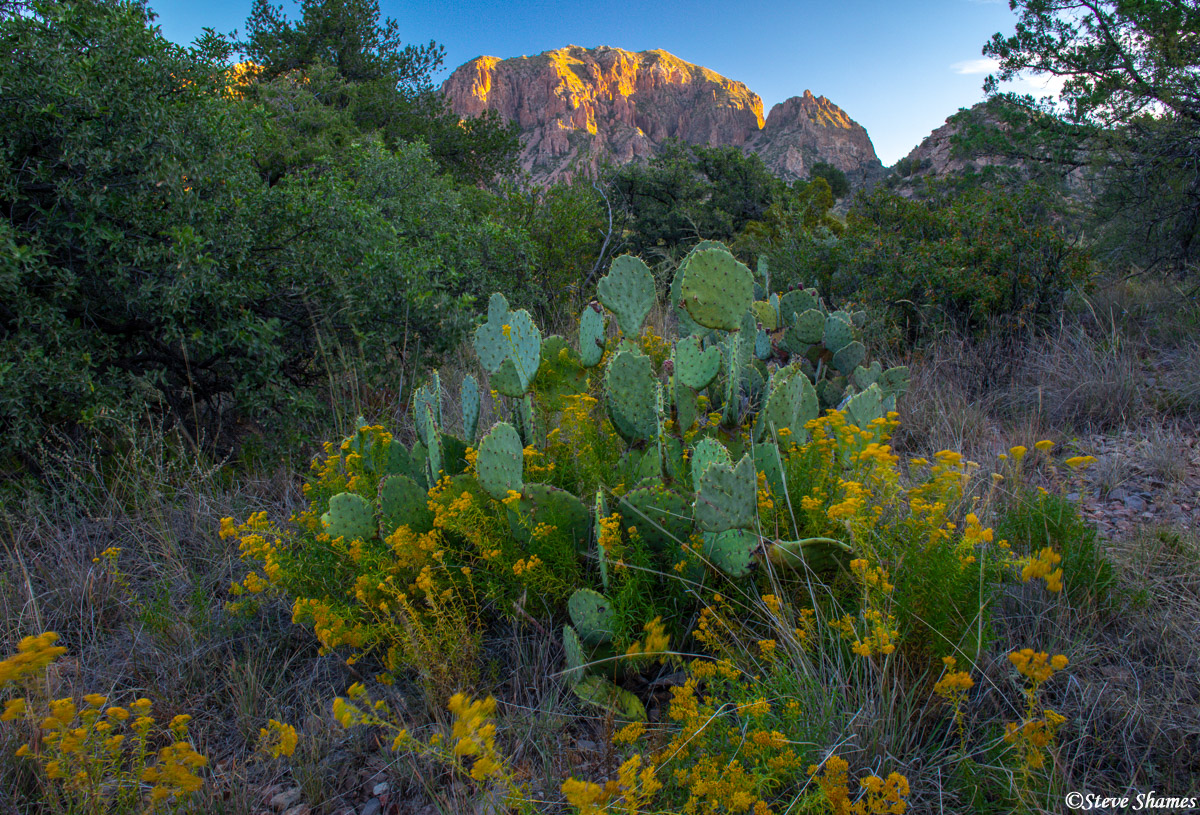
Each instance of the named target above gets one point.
<point>577,107</point>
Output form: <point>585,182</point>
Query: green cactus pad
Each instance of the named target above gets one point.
<point>506,381</point>
<point>816,554</point>
<point>400,461</point>
<point>490,345</point>
<point>806,328</point>
<point>592,614</point>
<point>895,381</point>
<point>762,345</point>
<point>791,403</point>
<point>628,292</point>
<point>591,336</point>
<point>403,503</point>
<point>865,407</point>
<point>764,314</point>
<point>454,454</point>
<point>849,357</point>
<point>542,503</point>
<point>727,497</point>
<point>630,395</point>
<point>577,657</point>
<point>601,555</point>
<point>864,378</point>
<point>705,453</point>
<point>717,289</point>
<point>838,333</point>
<point>858,319</point>
<point>768,462</point>
<point>830,392</point>
<point>661,517</point>
<point>731,551</point>
<point>433,448</point>
<point>687,407</point>
<point>500,462</point>
<point>350,517</point>
<point>696,368</point>
<point>561,374</point>
<point>606,695</point>
<point>427,408</point>
<point>470,407</point>
<point>797,301</point>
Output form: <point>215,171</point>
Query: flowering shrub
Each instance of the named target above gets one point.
<point>99,758</point>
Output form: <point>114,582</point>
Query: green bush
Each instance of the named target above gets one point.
<point>149,257</point>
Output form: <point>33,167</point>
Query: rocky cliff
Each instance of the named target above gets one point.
<point>577,107</point>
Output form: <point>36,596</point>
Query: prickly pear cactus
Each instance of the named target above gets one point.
<point>628,292</point>
<point>731,551</point>
<point>727,496</point>
<point>696,368</point>
<point>402,503</point>
<point>470,407</point>
<point>813,554</point>
<point>717,289</point>
<point>838,333</point>
<point>629,385</point>
<point>592,615</point>
<point>606,695</point>
<point>591,335</point>
<point>500,461</point>
<point>791,404</point>
<point>350,517</point>
<point>849,357</point>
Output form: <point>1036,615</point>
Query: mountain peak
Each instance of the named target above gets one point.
<point>577,106</point>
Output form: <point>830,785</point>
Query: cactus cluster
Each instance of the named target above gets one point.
<point>686,487</point>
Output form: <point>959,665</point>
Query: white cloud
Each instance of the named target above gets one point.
<point>985,65</point>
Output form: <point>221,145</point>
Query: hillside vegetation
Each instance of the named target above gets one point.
<point>345,470</point>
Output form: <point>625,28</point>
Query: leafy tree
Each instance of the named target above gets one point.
<point>145,263</point>
<point>345,57</point>
<point>1131,99</point>
<point>689,192</point>
<point>839,185</point>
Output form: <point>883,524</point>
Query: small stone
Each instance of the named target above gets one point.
<point>1135,503</point>
<point>584,744</point>
<point>372,807</point>
<point>285,799</point>
<point>299,809</point>
<point>380,788</point>
<point>1073,497</point>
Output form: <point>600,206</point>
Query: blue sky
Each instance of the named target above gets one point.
<point>897,68</point>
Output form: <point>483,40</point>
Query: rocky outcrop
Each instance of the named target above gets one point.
<point>807,129</point>
<point>577,107</point>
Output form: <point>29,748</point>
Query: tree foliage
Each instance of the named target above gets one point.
<point>1130,101</point>
<point>344,69</point>
<point>145,261</point>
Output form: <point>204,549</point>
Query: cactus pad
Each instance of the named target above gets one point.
<point>628,292</point>
<point>765,314</point>
<point>705,453</point>
<point>797,301</point>
<point>815,554</point>
<point>542,503</point>
<point>696,368</point>
<point>807,328</point>
<point>791,404</point>
<point>865,407</point>
<point>717,289</point>
<point>629,385</point>
<point>500,462</point>
<point>577,658</point>
<point>470,407</point>
<point>604,694</point>
<point>849,357</point>
<point>350,517</point>
<point>403,503</point>
<point>592,614</point>
<point>591,336</point>
<point>838,333</point>
<point>731,551</point>
<point>727,498</point>
<point>863,378</point>
<point>661,517</point>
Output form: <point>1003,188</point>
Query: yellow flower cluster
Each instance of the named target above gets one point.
<point>655,642</point>
<point>1040,726</point>
<point>278,739</point>
<point>1036,666</point>
<point>1033,736</point>
<point>954,687</point>
<point>630,792</point>
<point>1044,565</point>
<point>880,797</point>
<point>33,655</point>
<point>99,756</point>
